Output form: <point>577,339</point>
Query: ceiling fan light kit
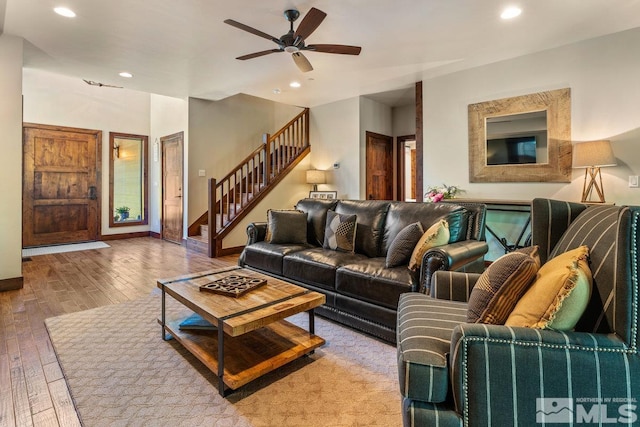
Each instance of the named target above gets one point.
<point>294,41</point>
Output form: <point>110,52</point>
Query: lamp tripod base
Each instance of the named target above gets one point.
<point>592,181</point>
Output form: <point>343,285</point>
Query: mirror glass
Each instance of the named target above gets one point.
<point>127,179</point>
<point>517,139</point>
<point>521,139</point>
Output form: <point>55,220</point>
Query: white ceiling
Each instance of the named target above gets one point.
<point>182,48</point>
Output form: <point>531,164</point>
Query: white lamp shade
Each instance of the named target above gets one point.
<point>315,176</point>
<point>593,153</point>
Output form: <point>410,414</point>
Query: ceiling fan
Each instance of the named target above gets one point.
<point>294,41</point>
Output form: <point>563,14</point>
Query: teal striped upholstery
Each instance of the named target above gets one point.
<point>497,373</point>
<point>452,285</point>
<point>423,340</point>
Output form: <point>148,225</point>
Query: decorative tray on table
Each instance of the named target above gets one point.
<point>233,286</point>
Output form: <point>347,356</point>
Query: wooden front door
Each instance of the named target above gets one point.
<point>61,185</point>
<point>379,165</point>
<point>172,177</point>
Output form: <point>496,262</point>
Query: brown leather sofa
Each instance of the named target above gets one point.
<point>360,291</point>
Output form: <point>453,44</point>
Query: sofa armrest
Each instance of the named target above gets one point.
<point>453,285</point>
<point>451,257</point>
<point>256,232</point>
<point>500,372</point>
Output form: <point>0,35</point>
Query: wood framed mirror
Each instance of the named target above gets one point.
<point>521,139</point>
<point>128,192</point>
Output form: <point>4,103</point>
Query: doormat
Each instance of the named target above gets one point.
<point>56,249</point>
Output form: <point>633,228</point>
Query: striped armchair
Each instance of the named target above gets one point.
<point>456,373</point>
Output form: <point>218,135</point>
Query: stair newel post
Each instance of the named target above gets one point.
<point>267,158</point>
<point>212,216</point>
<point>306,127</point>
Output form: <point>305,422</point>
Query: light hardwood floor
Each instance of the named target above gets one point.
<point>32,388</point>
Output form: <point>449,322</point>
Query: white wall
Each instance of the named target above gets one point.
<point>11,158</point>
<point>603,76</point>
<point>335,138</point>
<point>54,99</point>
<point>404,120</point>
<point>167,117</point>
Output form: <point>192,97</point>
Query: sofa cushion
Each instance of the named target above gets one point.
<point>371,216</point>
<point>501,285</point>
<point>369,280</point>
<point>316,210</point>
<point>424,333</point>
<point>269,256</point>
<point>401,248</point>
<point>287,226</point>
<point>402,214</point>
<point>340,232</point>
<point>436,235</point>
<point>317,266</point>
<point>565,278</point>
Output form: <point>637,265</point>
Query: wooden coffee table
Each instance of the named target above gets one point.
<point>252,337</point>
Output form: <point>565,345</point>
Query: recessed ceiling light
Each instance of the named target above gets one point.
<point>510,12</point>
<point>295,84</point>
<point>126,74</point>
<point>64,11</point>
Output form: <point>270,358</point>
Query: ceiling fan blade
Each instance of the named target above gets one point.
<point>309,23</point>
<point>334,48</point>
<point>251,30</point>
<point>302,62</point>
<point>257,54</point>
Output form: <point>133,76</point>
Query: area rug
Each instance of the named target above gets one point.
<point>56,249</point>
<point>120,373</point>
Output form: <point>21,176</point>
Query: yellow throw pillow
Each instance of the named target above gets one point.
<point>436,235</point>
<point>558,296</point>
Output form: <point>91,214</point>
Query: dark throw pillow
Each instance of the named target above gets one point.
<point>286,226</point>
<point>340,232</point>
<point>501,286</point>
<point>401,248</point>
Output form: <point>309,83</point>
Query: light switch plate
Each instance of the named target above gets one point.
<point>633,181</point>
<point>202,172</point>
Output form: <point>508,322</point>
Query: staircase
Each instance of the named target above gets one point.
<point>232,197</point>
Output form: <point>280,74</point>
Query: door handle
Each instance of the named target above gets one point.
<point>93,193</point>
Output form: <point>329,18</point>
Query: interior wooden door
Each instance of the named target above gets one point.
<point>172,179</point>
<point>61,185</point>
<point>379,165</point>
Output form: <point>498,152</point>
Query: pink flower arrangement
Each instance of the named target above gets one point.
<point>436,194</point>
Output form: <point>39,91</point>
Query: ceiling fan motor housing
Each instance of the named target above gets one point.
<point>291,14</point>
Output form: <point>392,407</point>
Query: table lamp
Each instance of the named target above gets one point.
<point>593,155</point>
<point>315,177</point>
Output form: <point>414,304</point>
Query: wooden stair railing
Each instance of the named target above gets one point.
<point>232,197</point>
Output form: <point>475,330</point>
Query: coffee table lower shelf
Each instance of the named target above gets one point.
<point>248,356</point>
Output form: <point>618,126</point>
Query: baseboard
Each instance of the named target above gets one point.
<point>155,235</point>
<point>12,284</point>
<point>231,251</point>
<point>125,235</point>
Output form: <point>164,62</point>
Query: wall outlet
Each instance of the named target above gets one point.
<point>633,181</point>
<point>202,172</point>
